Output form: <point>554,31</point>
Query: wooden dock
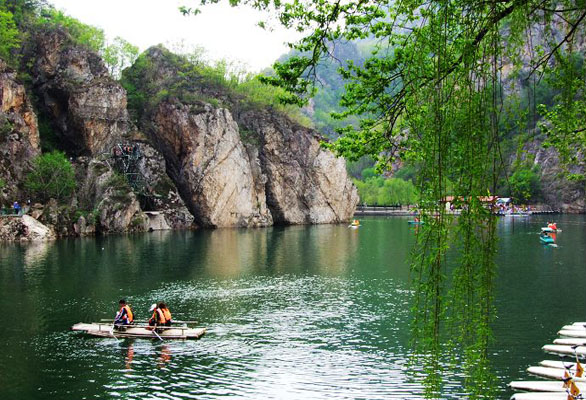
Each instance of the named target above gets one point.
<point>409,210</point>
<point>371,211</point>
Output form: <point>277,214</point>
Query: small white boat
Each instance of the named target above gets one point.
<point>565,350</point>
<point>540,396</point>
<point>574,327</point>
<point>354,224</point>
<point>139,331</point>
<point>551,373</point>
<point>571,341</point>
<point>573,333</point>
<point>544,386</point>
<point>559,365</point>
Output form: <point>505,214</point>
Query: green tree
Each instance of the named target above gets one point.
<point>431,93</point>
<point>368,173</point>
<point>83,34</point>
<point>524,185</point>
<point>376,190</point>
<point>119,55</point>
<point>51,176</point>
<point>9,36</point>
<point>564,120</point>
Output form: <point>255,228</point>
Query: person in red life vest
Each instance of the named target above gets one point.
<point>158,318</point>
<point>166,313</point>
<point>125,315</point>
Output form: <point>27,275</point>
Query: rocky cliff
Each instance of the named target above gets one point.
<point>86,107</point>
<point>305,183</point>
<point>558,192</point>
<point>209,164</point>
<point>186,161</point>
<point>236,165</point>
<point>19,135</point>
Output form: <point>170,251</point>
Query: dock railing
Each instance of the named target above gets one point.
<point>395,209</point>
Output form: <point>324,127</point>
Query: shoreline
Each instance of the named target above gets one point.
<point>405,211</point>
<point>36,232</point>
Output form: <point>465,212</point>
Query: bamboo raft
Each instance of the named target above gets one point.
<point>101,329</point>
<point>556,373</point>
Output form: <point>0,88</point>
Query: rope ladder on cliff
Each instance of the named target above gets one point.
<point>124,159</point>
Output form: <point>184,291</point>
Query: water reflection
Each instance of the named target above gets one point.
<point>164,356</point>
<point>229,253</point>
<point>35,253</point>
<point>128,354</point>
<point>316,312</point>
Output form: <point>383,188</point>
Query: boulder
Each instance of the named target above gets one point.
<point>24,228</point>
<point>82,228</point>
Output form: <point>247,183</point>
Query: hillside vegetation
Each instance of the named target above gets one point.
<point>529,102</point>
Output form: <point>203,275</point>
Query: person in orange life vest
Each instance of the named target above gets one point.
<point>166,313</point>
<point>158,318</point>
<point>125,315</point>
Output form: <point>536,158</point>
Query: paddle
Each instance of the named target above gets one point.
<point>156,334</point>
<point>113,325</point>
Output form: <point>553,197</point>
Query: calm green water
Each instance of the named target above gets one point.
<point>298,312</point>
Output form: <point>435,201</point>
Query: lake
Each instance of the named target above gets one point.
<point>314,312</point>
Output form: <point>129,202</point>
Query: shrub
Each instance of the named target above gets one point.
<point>524,185</point>
<point>52,176</point>
<point>380,191</point>
<point>9,35</point>
<point>83,34</point>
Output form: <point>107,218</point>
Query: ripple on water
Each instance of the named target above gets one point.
<point>285,337</point>
<point>271,338</point>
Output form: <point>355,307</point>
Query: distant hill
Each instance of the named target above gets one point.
<point>331,84</point>
<point>533,171</point>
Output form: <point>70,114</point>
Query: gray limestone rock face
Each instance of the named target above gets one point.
<point>163,205</point>
<point>19,134</point>
<point>236,164</point>
<point>87,107</point>
<point>558,192</point>
<point>215,175</point>
<point>116,205</point>
<point>305,183</point>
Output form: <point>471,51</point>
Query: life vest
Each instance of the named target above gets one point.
<point>159,316</point>
<point>129,314</point>
<point>167,314</point>
<point>579,369</point>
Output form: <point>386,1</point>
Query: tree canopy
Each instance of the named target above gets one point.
<point>51,177</point>
<point>433,93</point>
